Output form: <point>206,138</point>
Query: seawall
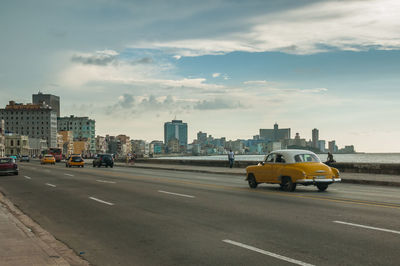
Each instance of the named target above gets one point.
<point>370,168</point>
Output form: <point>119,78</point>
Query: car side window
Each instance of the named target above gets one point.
<point>280,158</point>
<point>298,158</point>
<point>270,158</point>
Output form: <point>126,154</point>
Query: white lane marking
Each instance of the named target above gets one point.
<point>176,194</point>
<point>102,201</point>
<point>68,174</point>
<point>267,253</point>
<point>28,177</point>
<point>105,181</point>
<point>369,227</point>
<point>50,185</point>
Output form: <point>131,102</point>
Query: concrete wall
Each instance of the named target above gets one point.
<point>371,168</point>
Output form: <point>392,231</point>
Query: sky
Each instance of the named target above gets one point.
<point>227,68</point>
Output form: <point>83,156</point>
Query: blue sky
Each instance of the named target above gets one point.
<point>227,68</point>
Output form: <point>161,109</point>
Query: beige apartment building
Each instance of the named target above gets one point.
<point>67,142</point>
<point>16,145</point>
<point>82,147</point>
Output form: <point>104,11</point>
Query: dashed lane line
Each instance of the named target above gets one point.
<point>68,174</point>
<point>101,201</point>
<point>50,185</point>
<point>369,227</point>
<point>176,194</point>
<point>277,256</point>
<point>28,177</point>
<point>105,181</point>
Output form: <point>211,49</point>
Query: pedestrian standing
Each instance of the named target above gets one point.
<point>231,158</point>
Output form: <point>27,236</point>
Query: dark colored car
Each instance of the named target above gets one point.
<point>24,158</point>
<point>8,166</point>
<point>103,159</point>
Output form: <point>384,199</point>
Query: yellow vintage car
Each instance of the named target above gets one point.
<point>48,158</point>
<point>75,160</point>
<point>291,167</point>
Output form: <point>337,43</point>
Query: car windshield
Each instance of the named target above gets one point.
<point>6,160</point>
<point>76,159</point>
<point>49,156</point>
<point>310,158</point>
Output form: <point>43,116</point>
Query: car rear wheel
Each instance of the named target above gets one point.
<point>322,187</point>
<point>252,181</point>
<point>287,184</point>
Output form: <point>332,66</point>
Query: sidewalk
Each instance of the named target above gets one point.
<point>20,246</point>
<point>354,178</point>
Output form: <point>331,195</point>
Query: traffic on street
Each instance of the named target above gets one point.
<point>132,216</point>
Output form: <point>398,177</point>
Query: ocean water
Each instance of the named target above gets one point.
<point>348,158</point>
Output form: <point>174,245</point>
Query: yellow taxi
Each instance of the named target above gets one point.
<point>75,160</point>
<point>48,159</point>
<point>291,167</point>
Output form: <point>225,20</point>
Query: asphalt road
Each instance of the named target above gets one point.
<point>129,216</point>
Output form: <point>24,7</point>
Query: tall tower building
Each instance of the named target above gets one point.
<point>176,130</point>
<point>51,100</point>
<point>315,137</point>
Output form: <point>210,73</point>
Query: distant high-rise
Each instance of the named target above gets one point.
<point>315,137</point>
<point>201,137</point>
<point>176,130</point>
<point>275,134</point>
<point>332,146</point>
<point>49,99</point>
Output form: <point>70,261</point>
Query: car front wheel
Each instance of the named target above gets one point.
<point>322,187</point>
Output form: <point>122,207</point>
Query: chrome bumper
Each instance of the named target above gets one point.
<point>316,180</point>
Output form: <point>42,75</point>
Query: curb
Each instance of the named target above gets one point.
<point>347,181</point>
<point>58,251</point>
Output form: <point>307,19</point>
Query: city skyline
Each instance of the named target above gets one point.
<point>225,68</point>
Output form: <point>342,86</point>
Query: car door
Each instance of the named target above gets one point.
<point>265,173</point>
<point>279,165</point>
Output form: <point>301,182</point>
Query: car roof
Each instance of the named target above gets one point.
<point>289,154</point>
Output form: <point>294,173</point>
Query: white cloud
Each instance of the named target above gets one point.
<point>216,75</point>
<point>344,25</point>
<point>256,82</point>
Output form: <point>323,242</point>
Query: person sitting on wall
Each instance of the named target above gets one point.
<point>330,159</point>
